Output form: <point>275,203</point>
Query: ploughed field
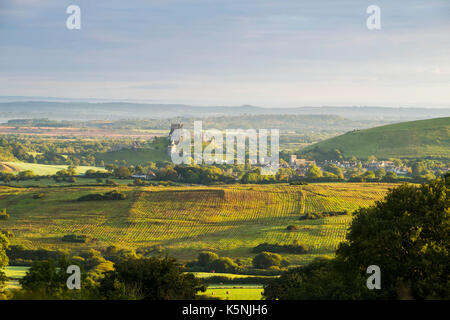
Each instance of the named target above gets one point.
<point>182,221</point>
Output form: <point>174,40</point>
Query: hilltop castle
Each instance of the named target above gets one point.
<point>174,138</point>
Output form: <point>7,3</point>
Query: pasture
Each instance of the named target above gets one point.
<point>234,292</point>
<point>182,221</point>
<point>45,169</point>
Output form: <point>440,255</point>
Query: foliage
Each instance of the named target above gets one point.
<point>265,260</point>
<point>4,242</point>
<point>4,215</point>
<point>408,237</point>
<point>47,280</point>
<point>322,279</point>
<point>112,195</point>
<point>149,279</point>
<point>294,248</point>
<point>74,238</point>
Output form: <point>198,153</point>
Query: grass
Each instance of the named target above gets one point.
<point>45,182</point>
<point>14,274</point>
<point>229,220</point>
<point>156,152</point>
<point>204,275</point>
<point>234,292</point>
<point>45,169</point>
<point>414,139</point>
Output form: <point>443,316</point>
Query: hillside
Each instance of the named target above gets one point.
<point>402,140</point>
<point>157,151</point>
<point>229,220</point>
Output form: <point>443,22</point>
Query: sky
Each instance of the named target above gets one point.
<point>275,53</point>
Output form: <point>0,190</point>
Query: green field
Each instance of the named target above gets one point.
<point>45,182</point>
<point>157,151</point>
<point>229,220</point>
<point>412,139</point>
<point>14,274</point>
<point>46,169</point>
<point>234,292</point>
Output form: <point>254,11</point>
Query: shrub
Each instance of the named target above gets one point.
<point>291,228</point>
<point>74,238</point>
<point>294,248</point>
<point>112,195</point>
<point>38,195</point>
<point>4,215</point>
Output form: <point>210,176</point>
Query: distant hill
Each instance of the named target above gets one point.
<point>412,139</point>
<point>57,110</point>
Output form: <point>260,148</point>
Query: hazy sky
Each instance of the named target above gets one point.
<point>276,53</point>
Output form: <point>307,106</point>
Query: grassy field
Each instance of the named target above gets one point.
<point>14,274</point>
<point>156,152</point>
<point>407,139</point>
<point>44,182</point>
<point>229,220</point>
<point>45,169</point>
<point>234,292</point>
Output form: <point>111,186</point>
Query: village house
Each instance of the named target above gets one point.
<point>294,162</point>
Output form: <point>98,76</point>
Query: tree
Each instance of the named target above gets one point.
<point>265,260</point>
<point>206,257</point>
<point>223,265</point>
<point>319,280</point>
<point>408,237</point>
<point>149,279</point>
<point>380,173</point>
<point>3,258</point>
<point>4,215</point>
<point>314,172</point>
<point>123,172</point>
<point>48,280</point>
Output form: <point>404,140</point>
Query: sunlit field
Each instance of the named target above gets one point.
<point>182,221</point>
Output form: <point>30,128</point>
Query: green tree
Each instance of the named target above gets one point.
<point>223,265</point>
<point>314,172</point>
<point>265,260</point>
<point>149,279</point>
<point>380,173</point>
<point>206,257</point>
<point>323,279</point>
<point>408,237</point>
<point>3,258</point>
<point>48,280</point>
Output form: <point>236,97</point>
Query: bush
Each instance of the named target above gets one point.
<point>291,228</point>
<point>319,215</point>
<point>7,233</point>
<point>265,260</point>
<point>112,195</point>
<point>38,195</point>
<point>4,215</point>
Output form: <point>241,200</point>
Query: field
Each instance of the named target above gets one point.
<point>156,152</point>
<point>43,169</point>
<point>14,274</point>
<point>234,292</point>
<point>182,221</point>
